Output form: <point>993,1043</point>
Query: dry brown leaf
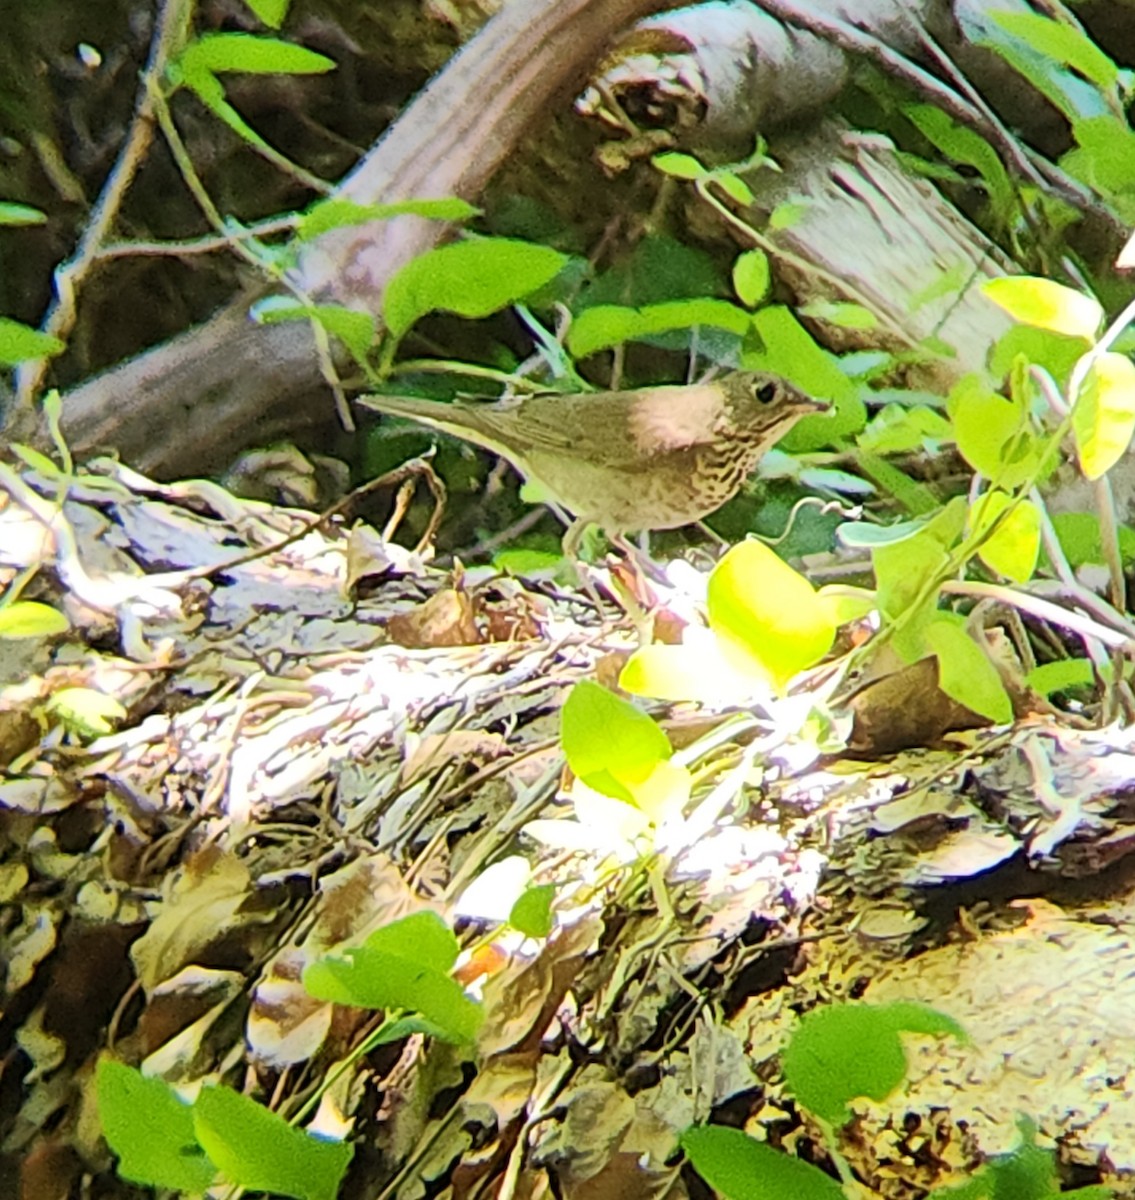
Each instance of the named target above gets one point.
<point>202,902</point>
<point>446,619</point>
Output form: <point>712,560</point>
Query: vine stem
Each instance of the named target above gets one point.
<point>170,32</point>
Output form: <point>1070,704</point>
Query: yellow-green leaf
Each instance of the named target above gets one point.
<point>965,673</point>
<point>751,277</point>
<point>759,603</point>
<point>1046,304</point>
<point>992,433</point>
<point>30,619</point>
<point>845,603</point>
<point>1103,418</point>
<point>1014,546</point>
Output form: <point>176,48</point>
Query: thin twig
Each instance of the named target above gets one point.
<point>169,32</point>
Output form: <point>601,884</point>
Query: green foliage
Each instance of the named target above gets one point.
<point>405,966</point>
<point>842,1051</point>
<point>1012,534</point>
<point>255,1148</point>
<point>151,1130</point>
<point>270,12</point>
<point>609,744</point>
<point>1066,674</point>
<point>758,604</point>
<point>215,53</point>
<point>752,277</point>
<point>835,1055</point>
<point>339,213</point>
<point>607,325</point>
<point>1046,305</point>
<point>1079,537</point>
<point>85,712</point>
<point>164,1142</point>
<point>965,672</point>
<point>1103,417</point>
<point>20,214</point>
<point>965,146</point>
<point>472,278</point>
<point>659,268</point>
<point>355,329</point>
<point>1026,1173</point>
<point>18,343</point>
<point>532,912</point>
<point>30,619</point>
<point>741,1168</point>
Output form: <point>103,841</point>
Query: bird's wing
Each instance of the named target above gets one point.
<point>616,429</point>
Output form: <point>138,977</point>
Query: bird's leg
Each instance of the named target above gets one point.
<point>572,537</point>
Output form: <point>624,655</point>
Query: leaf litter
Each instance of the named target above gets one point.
<point>289,778</point>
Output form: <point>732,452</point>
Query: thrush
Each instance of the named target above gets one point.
<point>651,458</point>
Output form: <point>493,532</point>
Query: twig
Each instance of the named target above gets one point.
<point>1045,610</point>
<point>170,30</point>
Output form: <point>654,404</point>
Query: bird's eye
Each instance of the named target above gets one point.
<point>766,393</point>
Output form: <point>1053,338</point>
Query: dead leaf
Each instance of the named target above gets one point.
<point>202,902</point>
<point>445,619</point>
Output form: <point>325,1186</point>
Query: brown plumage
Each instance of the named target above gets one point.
<point>654,458</point>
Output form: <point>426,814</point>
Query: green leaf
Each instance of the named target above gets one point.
<point>1062,42</point>
<point>89,712</point>
<point>271,12</point>
<point>606,325</point>
<point>783,346</point>
<point>965,673</point>
<point>679,166</point>
<point>1046,304</point>
<point>31,457</point>
<point>609,743</point>
<point>758,603</point>
<point>964,145</point>
<point>1055,352</point>
<point>1066,674</point>
<point>1104,158</point>
<point>337,213</point>
<point>786,214</point>
<point>904,568</point>
<point>257,1149</point>
<point>150,1128</point>
<point>657,269</point>
<point>212,53</point>
<point>12,213</point>
<point>1013,549</point>
<point>741,1168</point>
<point>1079,536</point>
<point>531,915</point>
<point>403,965</point>
<point>897,429</point>
<point>993,433</point>
<point>472,278</point>
<point>843,1051</point>
<point>524,562</point>
<point>356,330</point>
<point>914,497</point>
<point>846,603</point>
<point>30,619</point>
<point>714,671</point>
<point>1103,416</point>
<point>734,187</point>
<point>19,342</point>
<point>841,314</point>
<point>421,937</point>
<point>752,277</point>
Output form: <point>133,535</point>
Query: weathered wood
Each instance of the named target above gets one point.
<point>189,405</point>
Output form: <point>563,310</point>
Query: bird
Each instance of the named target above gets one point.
<point>642,459</point>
